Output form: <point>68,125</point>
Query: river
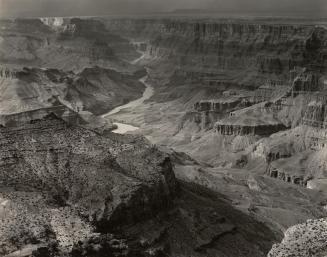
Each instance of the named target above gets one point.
<point>122,127</point>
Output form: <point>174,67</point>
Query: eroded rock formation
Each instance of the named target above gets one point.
<point>107,182</point>
<point>66,44</point>
<point>6,73</point>
<point>303,240</point>
<point>96,90</point>
<point>217,105</point>
<point>279,173</point>
<point>67,191</point>
<point>235,129</point>
<point>207,112</point>
<point>230,46</point>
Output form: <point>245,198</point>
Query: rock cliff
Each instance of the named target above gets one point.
<point>66,44</point>
<point>96,89</point>
<point>106,181</point>
<point>255,120</point>
<point>67,191</point>
<point>262,49</point>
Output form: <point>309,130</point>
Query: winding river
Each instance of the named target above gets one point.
<point>122,127</point>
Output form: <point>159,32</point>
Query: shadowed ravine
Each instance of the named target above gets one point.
<point>149,91</point>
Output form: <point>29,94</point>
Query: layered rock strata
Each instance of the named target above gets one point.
<point>241,129</point>
<point>82,174</point>
<point>67,191</point>
<point>262,48</point>
<point>96,90</point>
<point>207,112</point>
<point>64,43</point>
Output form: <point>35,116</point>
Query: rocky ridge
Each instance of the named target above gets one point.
<point>307,239</point>
<point>72,174</point>
<point>65,44</point>
<point>261,49</point>
<point>94,90</point>
<point>109,192</point>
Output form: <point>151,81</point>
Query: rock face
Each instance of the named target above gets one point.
<point>17,119</point>
<point>100,90</point>
<point>289,172</point>
<point>295,156</point>
<point>60,169</point>
<point>106,181</point>
<point>303,240</point>
<point>6,73</point>
<point>258,47</point>
<point>96,89</point>
<point>315,114</point>
<point>251,121</point>
<point>240,129</point>
<point>67,191</point>
<point>66,44</point>
<point>207,112</point>
<point>217,105</point>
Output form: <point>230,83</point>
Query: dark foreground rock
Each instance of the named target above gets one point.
<point>303,240</point>
<point>68,191</point>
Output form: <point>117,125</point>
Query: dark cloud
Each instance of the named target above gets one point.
<point>103,7</point>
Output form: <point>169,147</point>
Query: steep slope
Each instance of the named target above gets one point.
<point>73,45</point>
<point>246,99</point>
<point>67,191</point>
<point>245,79</point>
<point>100,90</point>
<point>96,90</point>
<point>234,52</point>
<point>75,171</point>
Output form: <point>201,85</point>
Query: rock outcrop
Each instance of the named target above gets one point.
<point>303,240</point>
<point>106,181</point>
<point>63,43</point>
<point>291,170</point>
<point>315,114</point>
<point>6,73</point>
<point>252,122</point>
<point>218,105</point>
<point>207,112</point>
<point>241,129</point>
<point>67,191</point>
<point>96,90</point>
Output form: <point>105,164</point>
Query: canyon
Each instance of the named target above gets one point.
<point>167,136</point>
<point>244,97</point>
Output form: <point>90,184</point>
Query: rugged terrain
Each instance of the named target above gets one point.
<point>68,190</point>
<point>67,44</point>
<point>246,97</point>
<point>238,112</point>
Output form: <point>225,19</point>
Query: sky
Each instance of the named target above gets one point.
<point>19,8</point>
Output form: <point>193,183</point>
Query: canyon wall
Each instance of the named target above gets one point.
<point>95,89</point>
<point>66,44</point>
<point>60,180</point>
<point>257,50</point>
<point>67,191</point>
